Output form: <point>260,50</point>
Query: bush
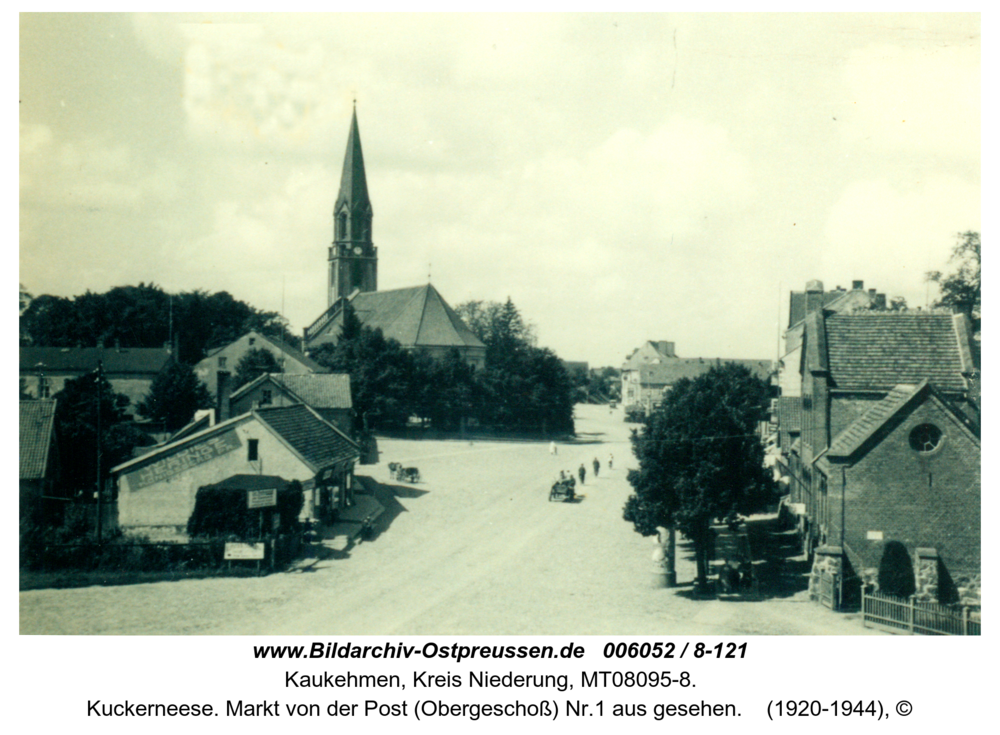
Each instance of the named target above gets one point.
<point>895,571</point>
<point>222,511</point>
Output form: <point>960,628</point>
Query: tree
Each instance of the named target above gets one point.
<point>961,290</point>
<point>253,364</point>
<point>382,373</point>
<point>76,426</point>
<point>700,458</point>
<point>174,396</point>
<point>525,388</point>
<point>147,316</point>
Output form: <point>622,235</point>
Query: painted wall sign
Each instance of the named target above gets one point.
<point>183,460</point>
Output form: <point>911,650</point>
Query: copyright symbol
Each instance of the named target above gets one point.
<point>903,707</point>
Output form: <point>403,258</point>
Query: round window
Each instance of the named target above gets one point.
<point>925,438</point>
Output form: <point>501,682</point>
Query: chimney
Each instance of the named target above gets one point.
<point>814,296</point>
<point>222,388</point>
<point>858,285</point>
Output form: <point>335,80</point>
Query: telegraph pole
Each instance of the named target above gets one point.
<point>100,490</point>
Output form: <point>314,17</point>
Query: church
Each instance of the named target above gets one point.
<point>418,318</point>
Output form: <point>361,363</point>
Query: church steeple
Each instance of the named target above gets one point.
<point>353,257</point>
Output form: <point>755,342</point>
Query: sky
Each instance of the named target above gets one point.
<point>620,177</point>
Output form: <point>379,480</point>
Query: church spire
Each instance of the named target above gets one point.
<point>353,197</point>
<point>353,260</point>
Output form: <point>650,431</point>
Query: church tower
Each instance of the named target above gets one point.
<point>353,258</point>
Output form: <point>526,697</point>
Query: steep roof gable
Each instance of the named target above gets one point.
<point>36,422</point>
<point>319,390</point>
<point>863,429</point>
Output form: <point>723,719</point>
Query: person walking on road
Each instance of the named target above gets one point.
<point>582,473</point>
<point>552,448</point>
<point>611,461</point>
<point>597,467</point>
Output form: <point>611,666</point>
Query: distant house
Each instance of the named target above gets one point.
<point>38,456</point>
<point>652,370</point>
<point>418,318</point>
<point>156,491</point>
<point>220,363</point>
<point>329,394</point>
<point>130,371</point>
<point>859,439</point>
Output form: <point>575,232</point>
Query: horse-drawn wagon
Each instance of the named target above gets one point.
<point>400,473</point>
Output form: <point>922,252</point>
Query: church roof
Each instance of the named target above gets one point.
<point>353,184</point>
<point>414,317</point>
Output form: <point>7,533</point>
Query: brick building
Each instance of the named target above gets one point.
<point>888,448</point>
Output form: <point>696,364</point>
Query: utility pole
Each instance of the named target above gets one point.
<point>100,490</point>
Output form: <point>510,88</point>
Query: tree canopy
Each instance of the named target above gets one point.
<point>253,364</point>
<point>961,290</point>
<point>525,387</point>
<point>174,396</point>
<point>146,316</point>
<point>700,457</point>
<point>382,372</point>
<point>76,428</point>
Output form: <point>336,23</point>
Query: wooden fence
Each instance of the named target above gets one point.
<point>898,615</point>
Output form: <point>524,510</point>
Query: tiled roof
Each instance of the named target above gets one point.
<point>414,317</point>
<point>851,438</point>
<point>790,413</point>
<point>323,390</point>
<point>320,390</point>
<point>670,371</point>
<point>287,349</point>
<point>878,350</point>
<point>37,419</point>
<point>142,360</point>
<point>318,442</point>
<point>797,304</point>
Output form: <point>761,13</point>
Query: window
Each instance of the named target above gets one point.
<point>925,438</point>
<point>252,340</point>
<point>252,450</point>
<point>265,397</point>
<point>222,362</point>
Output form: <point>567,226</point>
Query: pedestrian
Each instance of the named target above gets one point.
<point>553,449</point>
<point>597,467</point>
<point>583,474</point>
<point>611,461</point>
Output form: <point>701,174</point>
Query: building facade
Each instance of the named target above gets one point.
<point>156,491</point>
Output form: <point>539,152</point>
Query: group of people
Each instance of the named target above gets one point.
<point>565,476</point>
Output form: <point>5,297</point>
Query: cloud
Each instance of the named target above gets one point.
<point>891,237</point>
<point>925,99</point>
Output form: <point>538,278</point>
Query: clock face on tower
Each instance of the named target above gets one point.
<point>357,250</point>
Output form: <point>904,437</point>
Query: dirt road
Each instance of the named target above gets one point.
<point>474,548</point>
